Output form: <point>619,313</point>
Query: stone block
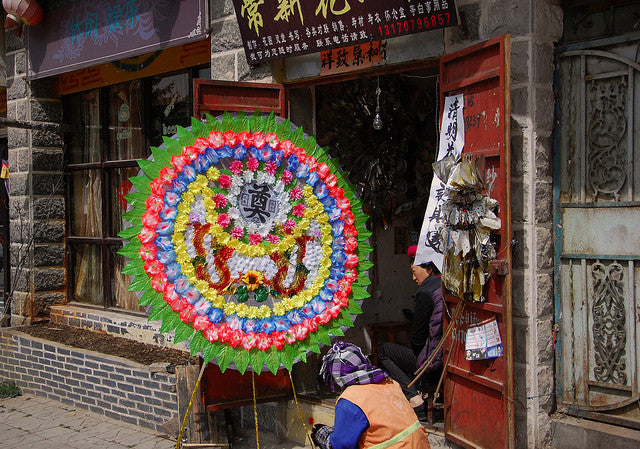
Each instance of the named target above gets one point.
<point>11,66</point>
<point>520,101</point>
<point>546,387</point>
<point>49,231</point>
<point>48,208</point>
<point>13,43</point>
<point>43,301</point>
<point>46,110</point>
<point>47,159</point>
<point>519,293</point>
<point>47,184</point>
<point>505,16</point>
<point>548,19</point>
<point>17,138</point>
<point>544,345</point>
<point>48,255</point>
<point>258,72</point>
<point>520,250</point>
<point>46,279</point>
<point>544,108</point>
<point>545,295</point>
<point>520,209</point>
<point>543,65</point>
<point>16,88</point>
<point>520,61</point>
<point>544,202</point>
<point>520,346</point>
<point>19,183</point>
<point>519,150</point>
<point>20,62</point>
<point>18,208</point>
<point>20,303</point>
<point>223,67</point>
<point>469,28</point>
<point>41,138</point>
<point>220,8</point>
<point>575,433</point>
<point>544,156</point>
<point>225,35</point>
<point>45,88</point>
<point>544,248</point>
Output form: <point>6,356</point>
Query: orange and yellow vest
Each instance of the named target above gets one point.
<point>392,421</point>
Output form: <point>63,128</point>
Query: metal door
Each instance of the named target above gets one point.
<point>479,394</point>
<point>597,217</point>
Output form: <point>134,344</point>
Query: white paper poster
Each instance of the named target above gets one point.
<point>451,144</point>
<point>483,341</point>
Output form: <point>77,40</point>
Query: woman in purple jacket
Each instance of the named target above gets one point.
<point>400,361</point>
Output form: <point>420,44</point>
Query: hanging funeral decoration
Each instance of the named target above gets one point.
<point>247,241</point>
<point>469,217</point>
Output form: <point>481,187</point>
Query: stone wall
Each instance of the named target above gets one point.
<point>111,386</point>
<point>37,206</point>
<point>535,26</point>
<point>228,61</point>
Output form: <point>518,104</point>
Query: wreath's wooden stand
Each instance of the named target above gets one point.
<point>185,420</point>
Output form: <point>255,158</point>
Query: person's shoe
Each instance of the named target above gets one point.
<point>421,412</point>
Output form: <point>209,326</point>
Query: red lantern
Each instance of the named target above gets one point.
<point>21,12</point>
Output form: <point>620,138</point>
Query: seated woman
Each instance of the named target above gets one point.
<point>371,411</point>
<point>400,361</point>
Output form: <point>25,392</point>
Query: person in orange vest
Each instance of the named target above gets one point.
<point>372,412</point>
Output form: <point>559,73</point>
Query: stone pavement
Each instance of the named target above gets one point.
<point>35,422</point>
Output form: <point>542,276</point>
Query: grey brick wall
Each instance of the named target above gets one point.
<point>114,387</point>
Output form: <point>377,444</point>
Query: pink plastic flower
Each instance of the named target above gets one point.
<point>286,177</point>
<point>259,139</point>
<point>255,239</point>
<point>249,341</point>
<point>296,193</point>
<point>224,220</point>
<point>236,167</point>
<point>220,200</point>
<point>230,138</point>
<point>273,239</point>
<point>253,164</point>
<point>216,139</point>
<point>271,167</point>
<point>178,162</point>
<point>264,341</point>
<point>289,225</point>
<point>147,235</point>
<point>167,174</point>
<point>225,180</point>
<point>298,210</point>
<point>272,140</point>
<point>237,233</point>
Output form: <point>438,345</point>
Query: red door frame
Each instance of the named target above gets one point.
<point>479,394</point>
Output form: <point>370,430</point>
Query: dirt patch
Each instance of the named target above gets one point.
<point>108,344</point>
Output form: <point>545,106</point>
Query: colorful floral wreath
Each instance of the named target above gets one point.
<point>247,240</point>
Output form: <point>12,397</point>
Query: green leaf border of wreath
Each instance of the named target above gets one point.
<point>160,310</point>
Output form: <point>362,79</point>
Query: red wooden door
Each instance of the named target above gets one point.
<point>479,394</point>
<point>215,97</point>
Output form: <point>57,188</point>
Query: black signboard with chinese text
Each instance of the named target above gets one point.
<point>274,29</point>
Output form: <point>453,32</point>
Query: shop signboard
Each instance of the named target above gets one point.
<point>284,28</point>
<point>75,34</point>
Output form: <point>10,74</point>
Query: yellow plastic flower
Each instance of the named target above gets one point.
<point>253,279</point>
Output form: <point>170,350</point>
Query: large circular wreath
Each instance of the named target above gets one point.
<point>247,240</point>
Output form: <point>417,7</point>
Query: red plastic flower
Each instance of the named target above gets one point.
<point>201,144</point>
<point>323,170</point>
<point>190,154</point>
<point>255,239</point>
<point>245,138</point>
<point>300,331</point>
<point>178,162</point>
<point>264,341</point>
<point>148,252</point>
<point>298,210</point>
<point>287,147</point>
<point>220,200</point>
<point>230,138</point>
<point>167,175</point>
<point>224,220</point>
<point>286,177</point>
<point>352,261</point>
<point>296,193</point>
<point>201,323</point>
<point>237,233</point>
<point>216,139</point>
<point>271,167</point>
<point>253,164</point>
<point>273,238</point>
<point>259,139</point>
<point>159,282</point>
<point>236,167</point>
<point>147,235</point>
<point>153,267</point>
<point>278,340</point>
<point>211,333</point>
<point>150,220</point>
<point>249,341</point>
<point>225,180</point>
<point>188,313</point>
<point>289,225</point>
<point>272,140</point>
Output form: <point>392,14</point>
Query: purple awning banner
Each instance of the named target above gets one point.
<point>273,29</point>
<point>80,33</point>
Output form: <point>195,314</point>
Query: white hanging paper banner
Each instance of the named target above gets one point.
<point>451,144</point>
